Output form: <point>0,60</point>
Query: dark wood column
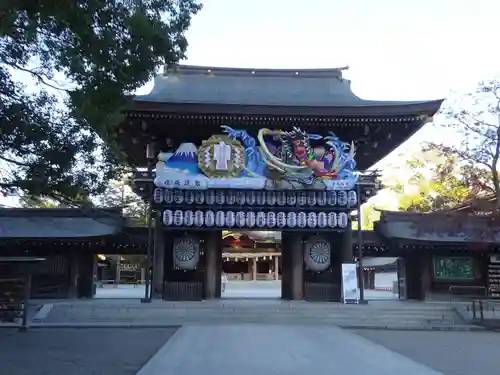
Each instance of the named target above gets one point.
<point>213,263</point>
<point>286,262</point>
<point>85,277</point>
<point>346,245</point>
<point>159,257</point>
<point>297,266</point>
<point>73,272</point>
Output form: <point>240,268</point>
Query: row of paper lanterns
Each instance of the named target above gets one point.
<point>259,198</point>
<point>230,219</point>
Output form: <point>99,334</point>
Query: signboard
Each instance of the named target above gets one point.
<point>349,283</point>
<point>454,268</point>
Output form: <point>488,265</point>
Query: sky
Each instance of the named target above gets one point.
<point>396,49</point>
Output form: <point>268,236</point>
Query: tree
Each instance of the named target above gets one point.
<point>476,118</point>
<point>58,140</point>
<point>120,194</point>
<point>433,182</point>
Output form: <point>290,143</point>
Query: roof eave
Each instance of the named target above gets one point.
<point>428,108</point>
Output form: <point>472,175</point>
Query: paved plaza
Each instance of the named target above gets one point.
<point>234,289</point>
<point>246,349</point>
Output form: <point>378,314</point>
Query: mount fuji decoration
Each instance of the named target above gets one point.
<point>274,160</point>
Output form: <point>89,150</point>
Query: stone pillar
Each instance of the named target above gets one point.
<point>254,269</point>
<point>276,267</point>
<point>158,257</point>
<point>212,261</point>
<point>297,267</point>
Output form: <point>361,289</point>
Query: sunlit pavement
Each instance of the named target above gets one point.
<point>256,349</point>
<point>234,289</point>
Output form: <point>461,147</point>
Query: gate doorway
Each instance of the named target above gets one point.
<point>251,265</point>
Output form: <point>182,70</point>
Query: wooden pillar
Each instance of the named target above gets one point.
<point>212,269</point>
<point>297,268</point>
<point>73,273</point>
<point>347,250</point>
<point>276,267</point>
<point>118,270</point>
<point>159,257</point>
<point>86,267</point>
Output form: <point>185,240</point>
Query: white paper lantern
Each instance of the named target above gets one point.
<point>168,196</point>
<point>271,219</point>
<point>332,220</point>
<point>291,220</point>
<point>271,198</point>
<point>220,197</point>
<point>230,219</point>
<point>209,218</point>
<point>178,196</point>
<point>210,197</point>
<point>321,198</point>
<point>302,198</point>
<point>158,195</point>
<point>331,198</point>
<point>322,220</point>
<point>312,220</point>
<point>240,198</point>
<point>240,219</point>
<point>188,197</point>
<point>188,218</point>
<point>311,198</point>
<point>260,198</point>
<point>291,198</point>
<point>199,197</point>
<point>261,219</point>
<point>281,198</point>
<point>342,198</point>
<point>220,218</point>
<point>281,220</point>
<point>301,220</point>
<point>198,218</point>
<point>352,198</point>
<point>168,217</point>
<point>250,219</point>
<point>178,218</point>
<point>251,197</point>
<point>342,220</point>
<point>230,197</point>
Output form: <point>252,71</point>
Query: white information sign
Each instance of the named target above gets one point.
<point>349,283</point>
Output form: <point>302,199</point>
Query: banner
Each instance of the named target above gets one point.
<point>349,283</point>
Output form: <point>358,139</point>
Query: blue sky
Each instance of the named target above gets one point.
<point>396,49</point>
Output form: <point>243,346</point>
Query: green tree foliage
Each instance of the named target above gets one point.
<point>435,182</point>
<point>58,140</point>
<point>120,194</point>
<point>476,117</point>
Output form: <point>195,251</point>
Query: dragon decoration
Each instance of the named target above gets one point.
<point>293,157</point>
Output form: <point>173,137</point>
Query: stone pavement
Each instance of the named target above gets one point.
<point>256,349</point>
<point>452,353</point>
<point>234,289</point>
<point>69,351</point>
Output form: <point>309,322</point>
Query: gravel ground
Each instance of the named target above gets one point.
<point>452,353</point>
<point>79,351</point>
